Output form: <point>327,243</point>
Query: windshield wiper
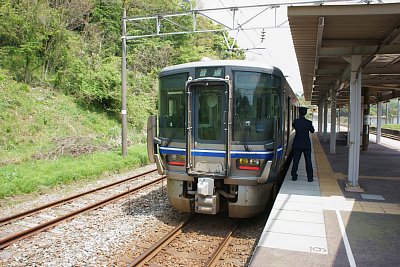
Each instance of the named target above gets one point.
<point>174,132</point>
<point>243,137</point>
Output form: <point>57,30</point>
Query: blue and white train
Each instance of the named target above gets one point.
<point>222,135</point>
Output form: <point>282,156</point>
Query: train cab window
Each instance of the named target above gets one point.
<point>172,106</point>
<point>256,105</point>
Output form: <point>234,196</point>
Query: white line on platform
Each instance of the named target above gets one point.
<point>346,242</point>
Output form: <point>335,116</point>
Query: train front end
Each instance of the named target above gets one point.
<point>216,137</point>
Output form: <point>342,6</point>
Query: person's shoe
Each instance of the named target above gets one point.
<point>311,180</point>
<point>294,178</point>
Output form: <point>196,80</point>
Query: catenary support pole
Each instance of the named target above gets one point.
<point>355,124</point>
<point>123,89</point>
<point>378,121</point>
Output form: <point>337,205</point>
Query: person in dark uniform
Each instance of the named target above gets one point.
<point>302,144</point>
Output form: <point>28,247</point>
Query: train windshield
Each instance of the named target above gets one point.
<point>256,106</point>
<point>172,106</point>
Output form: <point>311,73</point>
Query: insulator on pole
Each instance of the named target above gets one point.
<point>262,35</point>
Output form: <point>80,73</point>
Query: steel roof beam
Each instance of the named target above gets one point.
<point>324,82</point>
<point>320,31</point>
<point>327,72</point>
<point>380,81</point>
<point>382,88</point>
<point>394,69</point>
<point>344,10</point>
<point>368,50</point>
<point>359,50</point>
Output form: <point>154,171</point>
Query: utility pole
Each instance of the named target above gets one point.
<point>123,88</point>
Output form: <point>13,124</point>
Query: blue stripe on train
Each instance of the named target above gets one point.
<point>258,154</point>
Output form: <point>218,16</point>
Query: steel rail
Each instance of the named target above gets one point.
<point>160,244</point>
<point>8,219</point>
<point>390,136</point>
<point>213,260</point>
<point>5,242</point>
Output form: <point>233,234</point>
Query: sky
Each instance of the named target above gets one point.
<point>277,48</point>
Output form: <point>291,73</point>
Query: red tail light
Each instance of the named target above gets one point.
<point>248,164</point>
<point>176,160</point>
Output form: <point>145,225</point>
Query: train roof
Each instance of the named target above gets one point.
<point>235,64</point>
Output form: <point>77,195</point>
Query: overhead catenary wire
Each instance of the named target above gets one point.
<point>241,29</point>
<point>252,28</point>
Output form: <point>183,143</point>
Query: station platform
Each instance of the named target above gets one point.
<point>320,224</point>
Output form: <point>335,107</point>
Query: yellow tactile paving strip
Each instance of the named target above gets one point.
<point>329,186</point>
<point>327,179</point>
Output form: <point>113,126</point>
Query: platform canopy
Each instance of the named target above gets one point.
<point>325,37</point>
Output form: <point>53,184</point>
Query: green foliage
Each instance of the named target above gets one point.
<point>142,7</point>
<point>31,39</point>
<point>28,177</point>
<point>34,120</point>
<point>76,46</point>
<point>148,56</point>
<point>94,86</point>
<point>60,83</point>
<point>105,25</point>
<point>218,45</point>
<point>392,108</point>
<point>391,126</point>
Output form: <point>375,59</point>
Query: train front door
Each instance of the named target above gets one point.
<point>208,128</point>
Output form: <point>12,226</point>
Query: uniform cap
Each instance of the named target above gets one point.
<point>303,111</point>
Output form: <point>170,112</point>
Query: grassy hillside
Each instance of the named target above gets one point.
<point>38,123</point>
<point>60,84</point>
<point>48,139</point>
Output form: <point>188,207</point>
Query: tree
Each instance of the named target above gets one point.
<point>75,46</point>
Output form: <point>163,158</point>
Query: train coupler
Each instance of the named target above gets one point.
<point>205,200</point>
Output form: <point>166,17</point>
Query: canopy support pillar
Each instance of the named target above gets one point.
<point>355,125</point>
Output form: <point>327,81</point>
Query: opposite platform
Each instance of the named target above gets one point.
<point>313,224</point>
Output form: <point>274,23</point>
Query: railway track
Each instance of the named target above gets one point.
<point>390,136</point>
<point>11,218</point>
<point>35,220</point>
<point>187,245</point>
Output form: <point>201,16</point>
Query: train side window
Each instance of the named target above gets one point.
<point>172,106</point>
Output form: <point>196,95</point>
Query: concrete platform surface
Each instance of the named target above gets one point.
<point>319,224</point>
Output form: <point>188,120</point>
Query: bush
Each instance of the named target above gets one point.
<point>99,86</point>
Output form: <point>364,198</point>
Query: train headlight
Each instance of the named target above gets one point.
<point>177,160</point>
<point>248,164</point>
